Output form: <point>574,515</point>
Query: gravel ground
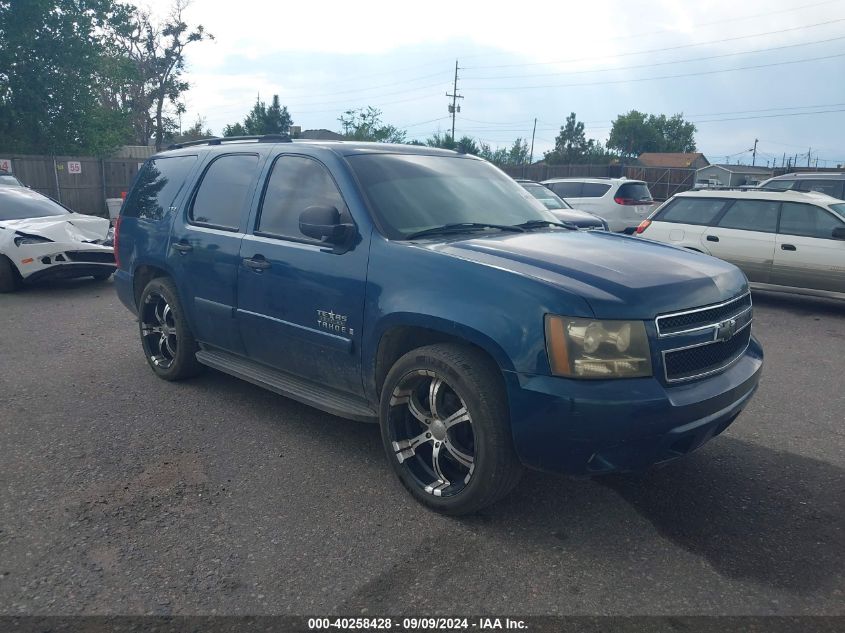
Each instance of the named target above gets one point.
<point>124,494</point>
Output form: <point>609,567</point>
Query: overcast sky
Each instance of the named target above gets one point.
<point>777,68</point>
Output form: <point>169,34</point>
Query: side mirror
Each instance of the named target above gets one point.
<point>839,233</point>
<point>324,224</point>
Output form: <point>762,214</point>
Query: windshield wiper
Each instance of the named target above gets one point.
<point>459,227</point>
<point>535,224</point>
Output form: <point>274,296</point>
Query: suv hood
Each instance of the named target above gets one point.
<point>73,227</point>
<point>620,277</point>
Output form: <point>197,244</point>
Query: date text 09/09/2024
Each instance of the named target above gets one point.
<point>416,624</point>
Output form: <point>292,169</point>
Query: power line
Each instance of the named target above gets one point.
<point>675,76</point>
<point>652,64</point>
<point>668,48</point>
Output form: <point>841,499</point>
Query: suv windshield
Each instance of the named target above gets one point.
<point>19,203</point>
<point>410,193</point>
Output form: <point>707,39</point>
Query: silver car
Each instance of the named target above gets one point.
<point>784,241</point>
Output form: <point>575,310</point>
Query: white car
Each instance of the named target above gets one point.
<point>40,239</point>
<point>784,241</point>
<point>622,203</point>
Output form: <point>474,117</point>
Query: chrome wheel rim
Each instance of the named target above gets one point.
<point>431,433</point>
<point>158,330</point>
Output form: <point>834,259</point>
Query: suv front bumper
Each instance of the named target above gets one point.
<point>584,427</point>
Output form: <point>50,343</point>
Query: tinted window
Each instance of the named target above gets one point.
<point>751,215</point>
<point>637,191</point>
<point>295,184</point>
<point>224,190</point>
<point>692,210</point>
<point>807,220</point>
<point>411,192</point>
<point>566,189</point>
<point>830,187</point>
<point>157,186</point>
<point>778,185</point>
<point>594,190</point>
<point>18,203</point>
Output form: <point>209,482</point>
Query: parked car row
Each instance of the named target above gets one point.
<point>787,241</point>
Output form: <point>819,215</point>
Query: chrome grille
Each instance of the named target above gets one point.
<point>705,359</point>
<point>721,334</point>
<point>701,318</point>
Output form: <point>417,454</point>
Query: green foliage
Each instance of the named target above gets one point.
<point>86,76</point>
<point>573,147</point>
<point>50,62</point>
<point>518,154</point>
<point>467,145</point>
<point>443,141</point>
<point>262,119</point>
<point>365,124</point>
<point>197,131</point>
<point>154,55</point>
<point>636,132</point>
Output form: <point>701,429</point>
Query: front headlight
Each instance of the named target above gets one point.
<point>22,240</point>
<point>589,348</point>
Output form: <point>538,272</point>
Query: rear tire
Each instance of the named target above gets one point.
<point>456,455</point>
<point>9,280</point>
<point>166,338</point>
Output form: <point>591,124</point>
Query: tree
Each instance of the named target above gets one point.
<point>51,63</point>
<point>262,119</point>
<point>570,144</point>
<point>499,156</point>
<point>197,131</point>
<point>365,124</point>
<point>467,145</point>
<point>156,63</point>
<point>518,154</point>
<point>636,132</point>
<point>443,141</point>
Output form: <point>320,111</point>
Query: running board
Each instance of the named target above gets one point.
<point>328,400</point>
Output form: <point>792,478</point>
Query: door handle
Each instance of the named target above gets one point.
<point>712,238</point>
<point>788,247</point>
<point>183,247</point>
<point>257,263</point>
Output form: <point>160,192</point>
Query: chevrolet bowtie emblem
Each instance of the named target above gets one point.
<point>726,330</point>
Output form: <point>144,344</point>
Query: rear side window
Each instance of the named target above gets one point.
<point>692,211</point>
<point>751,215</point>
<point>295,184</point>
<point>807,220</point>
<point>224,190</point>
<point>594,190</point>
<point>636,191</point>
<point>779,185</point>
<point>158,184</point>
<point>832,188</point>
<point>566,189</point>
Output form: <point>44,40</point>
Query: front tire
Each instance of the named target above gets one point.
<point>9,280</point>
<point>166,339</point>
<point>445,428</point>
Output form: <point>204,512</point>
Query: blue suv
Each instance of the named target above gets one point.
<point>426,291</point>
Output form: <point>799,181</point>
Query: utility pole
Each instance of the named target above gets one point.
<point>533,132</point>
<point>754,155</point>
<point>809,151</point>
<point>454,108</point>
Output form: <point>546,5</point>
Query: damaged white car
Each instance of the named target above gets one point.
<point>40,239</point>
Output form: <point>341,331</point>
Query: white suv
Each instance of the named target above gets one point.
<point>622,203</point>
<point>784,241</point>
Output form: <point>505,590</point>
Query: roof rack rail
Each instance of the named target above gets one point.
<point>217,140</point>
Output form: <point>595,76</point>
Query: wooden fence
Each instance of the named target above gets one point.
<point>81,183</point>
